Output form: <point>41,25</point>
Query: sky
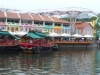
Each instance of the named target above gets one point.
<point>93,5</point>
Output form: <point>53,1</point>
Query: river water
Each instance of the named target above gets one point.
<point>61,62</point>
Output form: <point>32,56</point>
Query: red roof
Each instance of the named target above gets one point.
<point>46,18</point>
<point>12,15</point>
<point>81,25</point>
<point>59,20</point>
<point>37,17</point>
<point>26,16</point>
<point>2,15</point>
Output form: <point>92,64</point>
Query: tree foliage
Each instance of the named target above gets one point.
<point>98,14</point>
<point>83,19</point>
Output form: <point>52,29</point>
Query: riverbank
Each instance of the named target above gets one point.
<point>79,46</point>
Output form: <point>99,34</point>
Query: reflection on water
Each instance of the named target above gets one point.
<point>62,62</point>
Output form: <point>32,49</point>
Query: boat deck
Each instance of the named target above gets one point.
<point>4,44</point>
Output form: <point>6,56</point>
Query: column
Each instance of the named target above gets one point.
<point>32,25</point>
<point>6,24</point>
<point>43,28</point>
<point>19,28</point>
<point>62,28</point>
<point>53,26</point>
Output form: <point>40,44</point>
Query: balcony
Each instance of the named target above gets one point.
<point>38,25</point>
<point>12,23</point>
<point>2,23</point>
<point>26,24</point>
<point>57,26</point>
<point>48,26</point>
<point>66,27</point>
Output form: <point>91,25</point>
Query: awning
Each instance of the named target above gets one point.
<point>6,33</point>
<point>16,37</point>
<point>41,34</point>
<point>33,35</point>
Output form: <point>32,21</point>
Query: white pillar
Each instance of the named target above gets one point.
<point>53,26</point>
<point>62,28</point>
<point>6,24</point>
<point>32,25</point>
<point>43,26</point>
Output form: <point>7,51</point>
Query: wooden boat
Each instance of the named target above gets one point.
<point>34,42</point>
<point>8,42</point>
<point>55,47</point>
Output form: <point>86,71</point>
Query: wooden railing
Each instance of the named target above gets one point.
<point>9,43</point>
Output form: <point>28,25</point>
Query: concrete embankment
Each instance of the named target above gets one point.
<point>94,45</point>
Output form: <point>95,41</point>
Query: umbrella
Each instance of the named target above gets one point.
<point>77,35</point>
<point>22,33</point>
<point>53,34</point>
<point>65,35</point>
<point>88,36</point>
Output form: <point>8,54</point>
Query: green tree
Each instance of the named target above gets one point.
<point>93,18</point>
<point>98,14</point>
<point>96,29</point>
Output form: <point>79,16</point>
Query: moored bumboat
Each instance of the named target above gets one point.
<point>35,42</point>
<point>8,42</point>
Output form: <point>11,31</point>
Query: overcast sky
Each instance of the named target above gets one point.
<point>94,5</point>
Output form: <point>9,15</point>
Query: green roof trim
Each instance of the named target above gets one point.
<point>33,35</point>
<point>41,34</point>
<point>16,37</point>
<point>6,33</point>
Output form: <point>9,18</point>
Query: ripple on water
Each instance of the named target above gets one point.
<point>62,62</point>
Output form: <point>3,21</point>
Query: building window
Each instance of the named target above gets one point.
<point>12,29</point>
<point>88,32</point>
<point>3,28</point>
<point>7,28</point>
<point>29,29</point>
<point>26,29</point>
<point>62,30</point>
<point>16,29</point>
<point>84,32</point>
<point>21,29</point>
<point>67,31</point>
<point>76,30</point>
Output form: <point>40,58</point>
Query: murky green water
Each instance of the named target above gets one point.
<point>62,62</point>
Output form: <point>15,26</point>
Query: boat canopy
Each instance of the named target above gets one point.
<point>41,34</point>
<point>6,33</point>
<point>33,35</point>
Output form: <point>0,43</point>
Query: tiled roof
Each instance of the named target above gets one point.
<point>37,17</point>
<point>12,15</point>
<point>46,18</point>
<point>59,20</point>
<point>2,15</point>
<point>25,16</point>
<point>81,25</point>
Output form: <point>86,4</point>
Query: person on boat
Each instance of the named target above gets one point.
<point>6,39</point>
<point>31,41</point>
